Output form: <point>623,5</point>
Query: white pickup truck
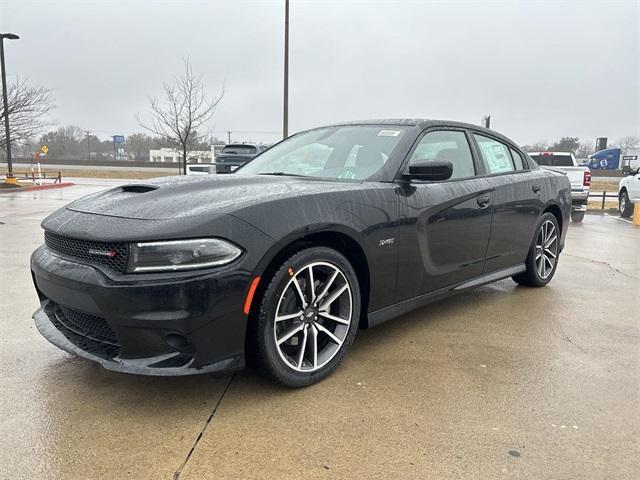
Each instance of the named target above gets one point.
<point>629,193</point>
<point>580,178</point>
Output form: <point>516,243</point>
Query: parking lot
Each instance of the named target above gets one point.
<point>501,382</point>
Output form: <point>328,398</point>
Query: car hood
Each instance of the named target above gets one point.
<point>173,197</point>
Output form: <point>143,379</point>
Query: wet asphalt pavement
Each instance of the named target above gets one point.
<point>501,382</point>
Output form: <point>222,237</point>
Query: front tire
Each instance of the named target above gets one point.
<point>625,207</point>
<point>307,317</point>
<point>542,259</point>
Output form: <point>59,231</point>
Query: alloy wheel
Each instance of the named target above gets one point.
<point>313,316</point>
<point>623,203</point>
<point>546,249</point>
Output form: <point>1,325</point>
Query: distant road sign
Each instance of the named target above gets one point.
<point>44,149</point>
<point>118,138</point>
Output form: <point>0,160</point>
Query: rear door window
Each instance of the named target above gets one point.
<point>495,154</point>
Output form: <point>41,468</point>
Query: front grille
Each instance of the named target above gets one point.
<point>112,254</point>
<point>90,326</point>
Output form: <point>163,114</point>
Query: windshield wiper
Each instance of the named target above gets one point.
<point>282,174</point>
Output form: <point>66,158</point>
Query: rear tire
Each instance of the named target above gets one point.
<point>301,334</point>
<point>625,207</point>
<point>544,253</point>
<point>577,217</point>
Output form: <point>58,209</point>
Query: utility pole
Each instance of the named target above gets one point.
<point>88,133</point>
<point>229,137</point>
<point>285,115</point>
<point>5,103</point>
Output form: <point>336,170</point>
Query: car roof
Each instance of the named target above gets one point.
<point>423,123</point>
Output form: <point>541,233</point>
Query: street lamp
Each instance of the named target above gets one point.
<point>5,102</point>
<point>285,114</point>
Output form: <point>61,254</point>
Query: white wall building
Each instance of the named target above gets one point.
<point>171,155</point>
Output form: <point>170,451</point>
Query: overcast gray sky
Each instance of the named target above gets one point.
<point>542,69</point>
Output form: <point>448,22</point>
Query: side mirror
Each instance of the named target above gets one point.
<point>430,171</point>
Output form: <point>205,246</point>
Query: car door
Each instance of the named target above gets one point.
<point>444,226</point>
<point>516,201</point>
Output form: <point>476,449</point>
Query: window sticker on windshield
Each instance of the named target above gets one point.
<point>389,133</point>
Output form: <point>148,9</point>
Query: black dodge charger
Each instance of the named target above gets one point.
<point>278,265</point>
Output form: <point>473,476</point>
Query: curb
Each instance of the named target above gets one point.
<point>37,187</point>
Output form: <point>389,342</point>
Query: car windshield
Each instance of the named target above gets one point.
<point>347,152</point>
<point>553,160</point>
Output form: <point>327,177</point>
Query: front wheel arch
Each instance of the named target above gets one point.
<point>343,243</point>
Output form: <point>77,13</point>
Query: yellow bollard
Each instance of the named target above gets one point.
<point>636,213</point>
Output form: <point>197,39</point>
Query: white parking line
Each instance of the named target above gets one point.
<point>619,218</point>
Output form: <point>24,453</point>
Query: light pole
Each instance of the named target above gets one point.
<point>285,116</point>
<point>5,103</point>
<point>88,133</point>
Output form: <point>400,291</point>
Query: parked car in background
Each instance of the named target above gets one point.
<point>579,176</point>
<point>331,230</point>
<point>629,193</point>
<point>201,168</point>
<point>235,155</point>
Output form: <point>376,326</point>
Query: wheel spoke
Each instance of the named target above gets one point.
<point>330,334</point>
<point>547,260</point>
<point>333,297</point>
<point>290,334</point>
<point>288,316</point>
<point>302,348</point>
<point>312,286</point>
<point>550,242</point>
<point>314,346</point>
<point>327,285</point>
<point>334,318</point>
<point>299,290</point>
<point>549,252</point>
<point>550,231</point>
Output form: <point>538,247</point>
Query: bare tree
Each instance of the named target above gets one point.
<point>628,142</point>
<point>584,150</point>
<point>28,107</point>
<point>539,146</point>
<point>183,113</point>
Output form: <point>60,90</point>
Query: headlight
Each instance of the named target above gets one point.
<point>181,255</point>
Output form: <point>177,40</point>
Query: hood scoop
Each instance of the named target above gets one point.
<point>138,188</point>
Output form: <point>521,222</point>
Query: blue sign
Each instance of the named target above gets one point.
<point>118,138</point>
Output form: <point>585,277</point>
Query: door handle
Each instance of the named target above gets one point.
<point>483,201</point>
<point>535,188</point>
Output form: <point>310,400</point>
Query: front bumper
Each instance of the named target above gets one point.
<point>162,324</point>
